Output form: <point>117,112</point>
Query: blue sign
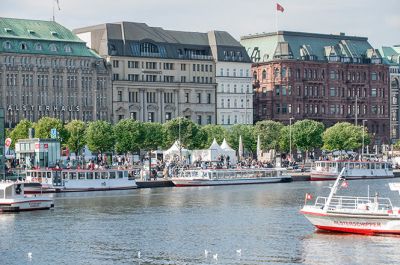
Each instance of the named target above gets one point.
<point>53,133</point>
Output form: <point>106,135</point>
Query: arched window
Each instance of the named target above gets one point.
<point>23,46</point>
<point>7,45</point>
<point>53,47</point>
<point>264,74</point>
<point>255,75</point>
<point>67,48</point>
<point>148,47</point>
<point>38,47</point>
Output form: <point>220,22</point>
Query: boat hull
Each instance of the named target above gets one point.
<point>219,182</point>
<point>322,177</point>
<point>26,205</point>
<point>357,224</point>
<point>50,189</point>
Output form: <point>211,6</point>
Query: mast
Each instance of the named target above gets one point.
<point>334,188</point>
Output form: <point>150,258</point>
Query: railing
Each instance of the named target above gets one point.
<point>355,203</point>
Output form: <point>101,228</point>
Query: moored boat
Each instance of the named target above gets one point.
<point>361,215</point>
<point>214,177</point>
<point>67,180</point>
<point>330,169</point>
<point>13,199</point>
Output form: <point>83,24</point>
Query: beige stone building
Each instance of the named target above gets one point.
<point>158,74</point>
<point>46,70</point>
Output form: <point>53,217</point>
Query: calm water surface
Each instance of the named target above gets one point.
<point>176,225</point>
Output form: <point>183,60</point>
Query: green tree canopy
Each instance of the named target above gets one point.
<point>44,126</point>
<point>212,131</point>
<point>99,136</point>
<point>20,131</point>
<point>345,136</point>
<point>129,135</point>
<point>153,136</point>
<point>307,134</point>
<point>190,134</point>
<point>76,131</point>
<point>269,132</point>
<point>284,139</point>
<point>247,133</point>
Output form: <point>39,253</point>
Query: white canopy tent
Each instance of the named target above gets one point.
<point>175,151</point>
<point>214,152</point>
<point>228,151</point>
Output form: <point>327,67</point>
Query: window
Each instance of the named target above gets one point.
<point>119,96</point>
<point>374,76</point>
<point>187,97</point>
<point>150,116</point>
<point>183,67</point>
<point>151,97</point>
<point>199,119</point>
<point>23,46</point>
<point>38,47</point>
<point>208,98</point>
<point>277,90</point>
<point>67,49</point>
<point>283,90</point>
<point>53,47</point>
<point>7,45</point>
<point>132,77</point>
<point>115,63</point>
<point>133,115</point>
<point>332,92</point>
<point>332,75</point>
<point>183,79</point>
<point>120,117</point>
<point>133,97</point>
<point>133,64</point>
<point>168,97</point>
<point>168,116</point>
<point>264,74</point>
<point>278,108</point>
<point>194,68</point>
<point>373,92</point>
<point>115,76</point>
<point>209,119</point>
<point>198,97</point>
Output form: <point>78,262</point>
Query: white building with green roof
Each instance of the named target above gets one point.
<point>46,70</point>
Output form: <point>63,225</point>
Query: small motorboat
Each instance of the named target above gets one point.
<point>360,215</point>
<point>13,199</point>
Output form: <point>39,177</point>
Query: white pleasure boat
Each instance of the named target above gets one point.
<point>329,170</point>
<point>361,215</point>
<point>13,199</point>
<point>64,180</point>
<point>213,177</point>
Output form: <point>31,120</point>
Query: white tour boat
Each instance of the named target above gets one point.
<point>13,199</point>
<point>329,170</point>
<point>64,180</point>
<point>361,215</point>
<point>213,177</point>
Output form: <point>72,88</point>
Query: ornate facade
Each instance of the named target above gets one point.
<point>46,70</point>
<point>328,78</point>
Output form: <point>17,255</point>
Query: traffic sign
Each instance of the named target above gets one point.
<point>53,133</point>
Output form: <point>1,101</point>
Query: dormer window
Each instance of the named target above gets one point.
<point>55,34</point>
<point>7,45</point>
<point>38,47</point>
<point>8,30</point>
<point>53,47</point>
<point>31,31</point>
<point>23,46</point>
<point>67,48</point>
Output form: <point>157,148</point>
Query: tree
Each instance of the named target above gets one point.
<point>44,126</point>
<point>129,135</point>
<point>269,132</point>
<point>153,135</point>
<point>76,131</point>
<point>247,133</point>
<point>20,131</point>
<point>190,134</point>
<point>99,136</point>
<point>307,135</point>
<point>345,136</point>
<point>212,131</point>
<point>284,139</point>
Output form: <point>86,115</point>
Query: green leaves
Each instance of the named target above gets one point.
<point>100,137</point>
<point>76,131</point>
<point>270,132</point>
<point>307,134</point>
<point>45,124</point>
<point>345,136</point>
<point>20,131</point>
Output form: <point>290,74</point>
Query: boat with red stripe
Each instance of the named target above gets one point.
<point>361,215</point>
<point>13,199</point>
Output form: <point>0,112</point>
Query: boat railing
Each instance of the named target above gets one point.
<point>355,203</point>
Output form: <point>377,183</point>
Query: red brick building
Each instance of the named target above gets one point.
<point>328,78</point>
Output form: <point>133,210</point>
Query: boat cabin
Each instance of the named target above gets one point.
<point>9,190</point>
<point>336,166</point>
<point>232,173</point>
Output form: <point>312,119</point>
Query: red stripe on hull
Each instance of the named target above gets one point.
<point>25,210</point>
<point>56,190</point>
<point>357,230</point>
<point>348,178</point>
<point>223,184</point>
<point>25,202</point>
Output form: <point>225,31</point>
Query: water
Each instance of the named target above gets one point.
<point>176,225</point>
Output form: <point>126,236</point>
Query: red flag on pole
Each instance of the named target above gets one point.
<point>345,184</point>
<point>308,196</point>
<point>279,7</point>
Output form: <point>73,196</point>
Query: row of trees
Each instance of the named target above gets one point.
<point>129,135</point>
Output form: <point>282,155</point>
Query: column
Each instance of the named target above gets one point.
<point>79,99</point>
<point>160,106</point>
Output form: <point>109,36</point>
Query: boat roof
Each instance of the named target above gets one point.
<point>76,170</point>
<point>349,161</point>
<point>5,184</point>
<point>236,169</point>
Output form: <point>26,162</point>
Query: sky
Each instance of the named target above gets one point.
<point>377,20</point>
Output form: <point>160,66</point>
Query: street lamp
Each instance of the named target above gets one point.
<point>290,137</point>
<point>362,151</point>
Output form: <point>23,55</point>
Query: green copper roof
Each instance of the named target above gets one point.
<point>40,37</point>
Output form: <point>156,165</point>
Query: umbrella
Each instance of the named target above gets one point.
<point>240,147</point>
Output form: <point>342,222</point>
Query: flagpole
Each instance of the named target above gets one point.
<point>276,19</point>
<point>54,19</point>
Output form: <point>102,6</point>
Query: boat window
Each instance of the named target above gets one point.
<point>97,175</point>
<point>1,193</point>
<point>81,175</point>
<point>72,175</point>
<point>351,165</point>
<point>49,175</point>
<point>112,175</point>
<point>125,174</point>
<point>103,175</point>
<point>120,174</point>
<point>378,166</point>
<point>64,175</point>
<point>356,165</point>
<point>8,191</point>
<point>89,175</point>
